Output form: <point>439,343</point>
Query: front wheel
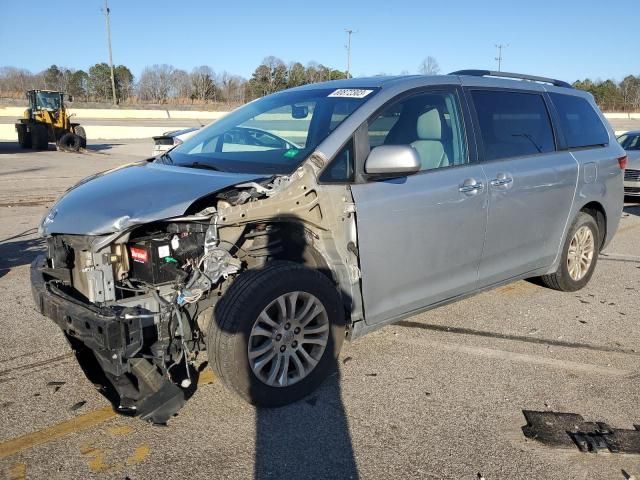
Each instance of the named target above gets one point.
<point>276,333</point>
<point>579,256</point>
<point>79,131</point>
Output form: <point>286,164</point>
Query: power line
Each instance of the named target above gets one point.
<point>348,47</point>
<point>499,57</point>
<point>113,79</point>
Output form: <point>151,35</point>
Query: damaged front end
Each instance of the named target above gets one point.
<point>135,304</point>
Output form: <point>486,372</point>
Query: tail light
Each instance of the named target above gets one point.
<point>622,161</point>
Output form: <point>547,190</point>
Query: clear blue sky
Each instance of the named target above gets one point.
<point>566,39</point>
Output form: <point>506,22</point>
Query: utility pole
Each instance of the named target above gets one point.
<point>348,47</point>
<point>499,57</point>
<point>113,78</point>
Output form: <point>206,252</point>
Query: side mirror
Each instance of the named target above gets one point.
<point>70,98</point>
<point>392,161</point>
<point>299,111</point>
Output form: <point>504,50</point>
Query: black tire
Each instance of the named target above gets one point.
<point>561,279</point>
<point>24,137</point>
<point>79,131</point>
<point>70,142</point>
<point>238,310</point>
<point>39,137</point>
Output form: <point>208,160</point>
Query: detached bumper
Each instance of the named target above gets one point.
<point>113,339</point>
<point>106,344</point>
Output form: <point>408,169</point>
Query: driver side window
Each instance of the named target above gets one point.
<point>431,123</point>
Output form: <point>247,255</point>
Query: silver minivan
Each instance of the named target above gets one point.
<point>322,213</point>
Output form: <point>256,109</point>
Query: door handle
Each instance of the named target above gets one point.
<point>471,186</point>
<point>501,180</point>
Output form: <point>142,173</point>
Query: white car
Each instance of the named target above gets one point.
<point>630,141</point>
<point>168,140</point>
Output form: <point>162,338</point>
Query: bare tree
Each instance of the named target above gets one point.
<point>182,87</point>
<point>429,66</point>
<point>156,83</point>
<point>232,87</point>
<point>630,90</point>
<point>203,81</point>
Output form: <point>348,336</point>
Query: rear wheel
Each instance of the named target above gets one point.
<point>79,131</point>
<point>39,137</point>
<point>24,137</point>
<point>70,142</point>
<point>276,333</point>
<point>579,256</point>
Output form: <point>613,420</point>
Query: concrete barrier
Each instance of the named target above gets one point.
<point>116,113</point>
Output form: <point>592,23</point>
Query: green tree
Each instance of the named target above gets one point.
<point>124,82</point>
<point>296,75</point>
<point>78,85</point>
<point>337,75</point>
<point>269,77</point>
<point>100,81</point>
<point>53,78</point>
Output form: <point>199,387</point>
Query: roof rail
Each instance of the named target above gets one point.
<point>518,76</point>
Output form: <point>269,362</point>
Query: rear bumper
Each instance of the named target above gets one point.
<point>632,182</point>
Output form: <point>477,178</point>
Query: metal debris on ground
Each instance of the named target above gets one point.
<point>569,430</point>
<point>77,406</point>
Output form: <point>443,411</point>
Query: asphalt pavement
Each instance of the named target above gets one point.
<point>439,395</point>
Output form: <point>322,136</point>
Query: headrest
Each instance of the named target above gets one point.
<point>429,125</point>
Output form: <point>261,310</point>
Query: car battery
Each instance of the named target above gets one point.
<point>151,261</point>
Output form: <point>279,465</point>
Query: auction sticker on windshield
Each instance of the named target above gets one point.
<point>350,93</point>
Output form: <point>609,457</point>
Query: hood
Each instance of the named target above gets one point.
<point>135,194</point>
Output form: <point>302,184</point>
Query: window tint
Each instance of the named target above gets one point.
<point>430,122</point>
<point>341,168</point>
<point>513,124</point>
<point>579,122</point>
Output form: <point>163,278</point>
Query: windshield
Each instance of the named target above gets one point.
<point>48,100</point>
<point>630,142</point>
<point>272,135</point>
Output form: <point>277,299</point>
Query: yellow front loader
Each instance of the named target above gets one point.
<point>46,120</point>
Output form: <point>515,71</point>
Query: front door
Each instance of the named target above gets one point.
<point>421,237</point>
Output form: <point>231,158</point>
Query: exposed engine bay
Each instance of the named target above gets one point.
<point>153,287</point>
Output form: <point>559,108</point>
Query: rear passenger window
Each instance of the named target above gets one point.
<point>513,124</point>
<point>580,123</point>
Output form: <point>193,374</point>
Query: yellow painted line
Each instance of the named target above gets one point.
<point>206,377</point>
<point>77,424</point>
<point>30,440</point>
<point>18,471</point>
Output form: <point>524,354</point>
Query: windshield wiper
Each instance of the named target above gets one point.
<point>204,166</point>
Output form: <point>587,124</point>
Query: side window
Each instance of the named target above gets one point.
<point>580,123</point>
<point>341,168</point>
<point>513,124</point>
<point>629,142</point>
<point>430,122</point>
